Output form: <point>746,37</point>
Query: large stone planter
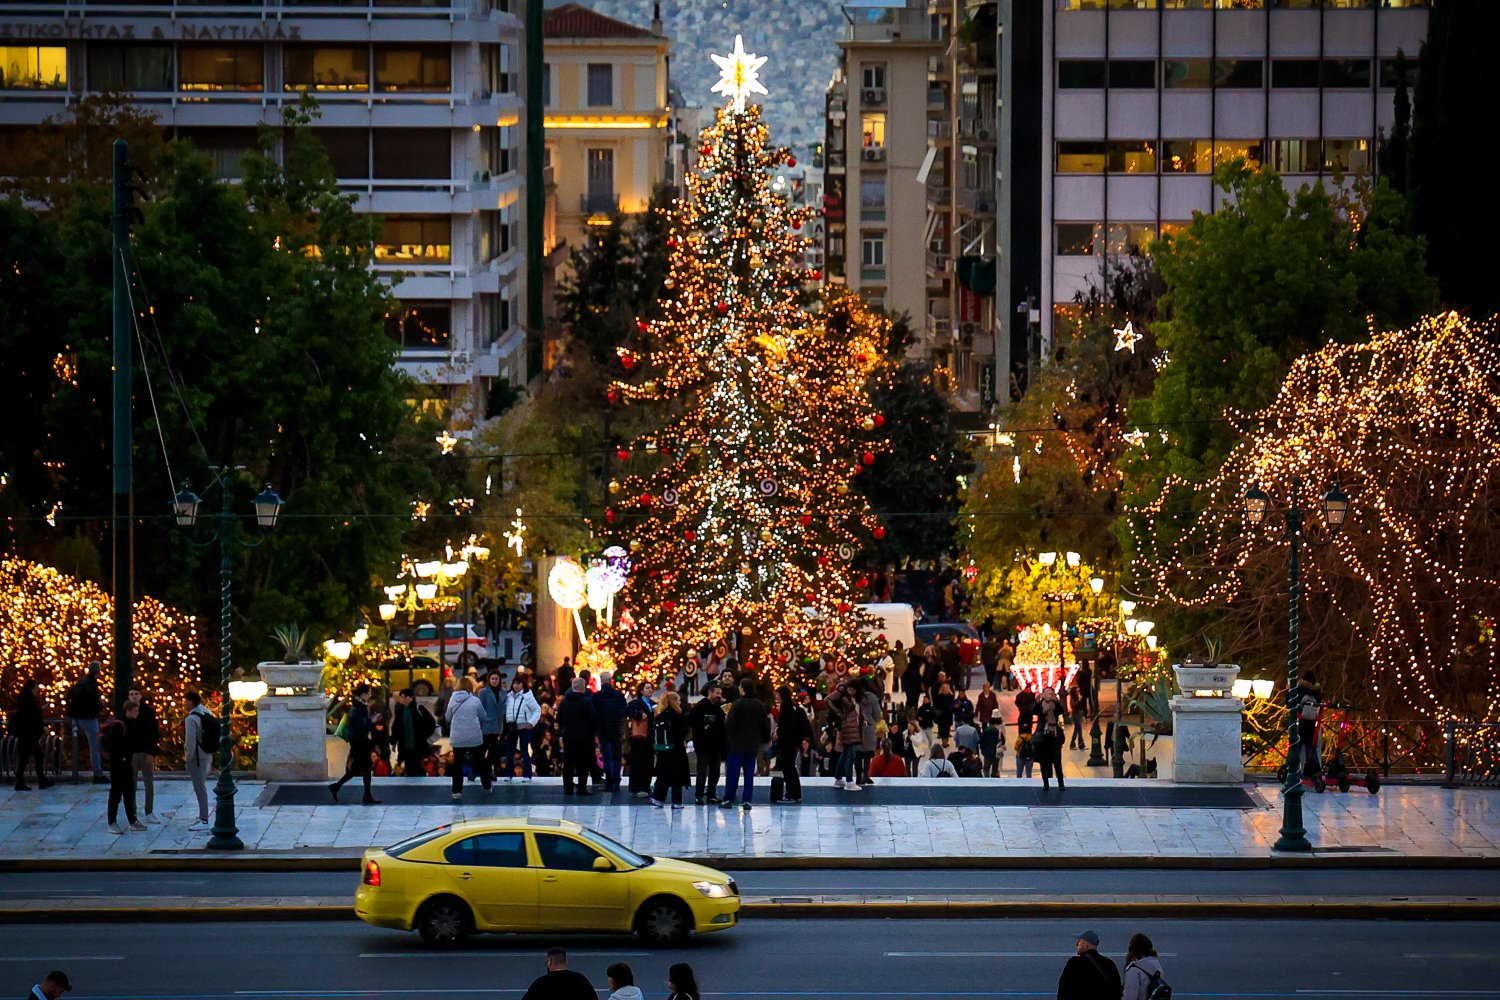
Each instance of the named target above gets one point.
<point>1206,725</point>
<point>292,722</point>
<point>1193,677</point>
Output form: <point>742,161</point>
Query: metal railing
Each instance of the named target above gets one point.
<point>1473,755</point>
<point>1387,746</point>
<point>53,740</point>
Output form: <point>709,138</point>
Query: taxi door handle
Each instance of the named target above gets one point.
<point>549,878</point>
<point>466,876</point>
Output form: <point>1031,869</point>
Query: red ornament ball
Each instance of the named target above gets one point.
<point>822,560</point>
<point>690,535</point>
<point>862,358</point>
<point>645,499</point>
<point>879,531</point>
<point>705,150</point>
<point>879,420</point>
<point>609,515</point>
<point>612,396</point>
<point>806,520</point>
<point>723,308</point>
<point>642,325</point>
<point>809,596</point>
<point>669,606</point>
<point>671,243</point>
<point>622,454</point>
<point>791,161</point>
<point>868,458</point>
<point>864,582</point>
<point>816,275</point>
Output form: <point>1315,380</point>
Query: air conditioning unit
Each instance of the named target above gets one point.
<point>984,133</point>
<point>983,207</point>
<point>873,95</point>
<point>873,154</point>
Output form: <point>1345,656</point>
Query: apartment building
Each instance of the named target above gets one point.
<point>608,117</point>
<point>421,105</point>
<point>876,160</point>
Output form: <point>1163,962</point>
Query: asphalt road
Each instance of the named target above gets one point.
<point>1351,882</point>
<point>826,960</point>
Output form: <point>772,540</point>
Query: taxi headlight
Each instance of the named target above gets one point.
<point>713,890</point>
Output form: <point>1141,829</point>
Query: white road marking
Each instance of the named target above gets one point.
<point>493,954</point>
<point>995,954</point>
<point>44,959</point>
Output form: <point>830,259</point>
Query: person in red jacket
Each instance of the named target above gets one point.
<point>886,764</point>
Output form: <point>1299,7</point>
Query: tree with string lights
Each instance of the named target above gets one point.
<point>737,506</point>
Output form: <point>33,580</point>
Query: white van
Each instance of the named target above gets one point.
<point>897,621</point>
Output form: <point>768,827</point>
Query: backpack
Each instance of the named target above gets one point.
<point>423,723</point>
<point>1156,986</point>
<point>208,733</point>
<point>662,734</point>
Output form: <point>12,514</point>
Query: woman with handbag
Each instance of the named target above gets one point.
<point>669,733</point>
<point>521,714</point>
<point>1047,737</point>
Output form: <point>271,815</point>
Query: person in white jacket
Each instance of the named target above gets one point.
<point>466,736</point>
<point>937,766</point>
<point>521,713</point>
<point>1142,968</point>
<point>622,983</point>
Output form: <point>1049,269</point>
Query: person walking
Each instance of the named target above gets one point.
<point>966,737</point>
<point>1088,975</point>
<point>361,737</point>
<point>1047,737</point>
<point>1085,680</point>
<point>707,721</point>
<point>560,982</point>
<point>1025,702</point>
<point>942,706</point>
<point>682,984</point>
<point>1309,701</point>
<point>578,725</point>
<point>1143,972</point>
<point>638,720</point>
<point>26,724</point>
<point>669,733</point>
<point>83,704</point>
<point>843,714</point>
<point>200,732</point>
<point>747,730</point>
<point>793,738</point>
<point>56,983</point>
<point>989,657</point>
<point>985,704</point>
<point>466,737</point>
<point>521,714</point>
<point>911,679</point>
<point>492,698</point>
<point>1005,665</point>
<point>871,726</point>
<point>919,742</point>
<point>118,739</point>
<point>445,695</point>
<point>992,745</point>
<point>610,704</point>
<point>145,745</point>
<point>1076,709</point>
<point>1024,755</point>
<point>622,983</point>
<point>963,708</point>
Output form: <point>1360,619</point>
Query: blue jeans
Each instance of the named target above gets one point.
<point>737,763</point>
<point>845,769</point>
<point>90,730</point>
<point>609,751</point>
<point>518,740</point>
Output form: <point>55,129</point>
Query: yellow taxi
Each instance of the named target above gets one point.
<point>537,875</point>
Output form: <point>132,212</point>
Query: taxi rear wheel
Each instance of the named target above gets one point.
<point>664,922</point>
<point>444,922</point>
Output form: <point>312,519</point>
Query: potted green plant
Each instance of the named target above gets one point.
<point>291,718</point>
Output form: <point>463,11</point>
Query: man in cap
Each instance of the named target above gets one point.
<point>54,986</point>
<point>1088,974</point>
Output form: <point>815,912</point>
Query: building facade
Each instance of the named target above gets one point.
<point>421,106</point>
<point>608,117</point>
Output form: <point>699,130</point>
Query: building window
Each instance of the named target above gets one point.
<point>326,68</point>
<point>1295,156</point>
<point>412,154</point>
<point>421,326</point>
<point>1346,155</point>
<point>1081,74</point>
<point>134,68</point>
<point>33,67</point>
<point>1130,237</point>
<point>1392,75</point>
<point>1132,156</point>
<point>226,147</point>
<point>872,124</point>
<point>1294,73</point>
<point>220,67</point>
<point>872,196</point>
<point>1349,74</point>
<point>1132,74</point>
<point>872,251</point>
<point>501,150</point>
<point>1239,74</point>
<point>1117,156</point>
<point>1187,156</point>
<point>1187,74</point>
<point>1074,239</point>
<point>425,239</point>
<point>872,75</point>
<point>601,85</point>
<point>1081,157</point>
<point>348,151</point>
<point>1248,150</point>
<point>507,69</point>
<point>601,181</point>
<point>423,68</point>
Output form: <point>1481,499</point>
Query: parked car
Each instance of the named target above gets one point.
<point>420,673</point>
<point>425,641</point>
<point>536,875</point>
<point>962,633</point>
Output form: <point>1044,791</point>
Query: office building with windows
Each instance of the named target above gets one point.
<point>608,119</point>
<point>421,108</point>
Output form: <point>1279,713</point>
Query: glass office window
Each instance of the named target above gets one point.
<point>331,68</point>
<point>1132,156</point>
<point>348,151</point>
<point>1393,72</point>
<point>1081,74</point>
<point>1187,74</point>
<point>1187,156</point>
<point>1350,74</point>
<point>411,153</point>
<point>1248,150</point>
<point>413,68</point>
<point>1294,73</point>
<point>1346,155</point>
<point>421,326</point>
<point>415,239</point>
<point>220,67</point>
<point>135,68</point>
<point>226,147</point>
<point>1295,156</point>
<point>1130,237</point>
<point>1075,239</point>
<point>1239,74</point>
<point>33,67</point>
<point>1132,74</point>
<point>1081,156</point>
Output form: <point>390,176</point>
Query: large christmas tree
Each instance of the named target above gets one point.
<point>737,508</point>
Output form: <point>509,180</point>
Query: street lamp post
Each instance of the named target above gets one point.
<point>1335,509</point>
<point>267,507</point>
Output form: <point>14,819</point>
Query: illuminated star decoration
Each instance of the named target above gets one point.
<point>515,537</point>
<point>739,75</point>
<point>1135,438</point>
<point>446,441</point>
<point>1126,338</point>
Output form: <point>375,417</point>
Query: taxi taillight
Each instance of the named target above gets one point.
<point>372,873</point>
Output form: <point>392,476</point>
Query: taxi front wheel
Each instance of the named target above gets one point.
<point>444,922</point>
<point>664,922</point>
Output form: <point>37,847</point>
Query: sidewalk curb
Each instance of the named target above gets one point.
<point>251,862</point>
<point>1082,909</point>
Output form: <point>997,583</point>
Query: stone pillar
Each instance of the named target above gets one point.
<point>292,722</point>
<point>554,625</point>
<point>1206,727</point>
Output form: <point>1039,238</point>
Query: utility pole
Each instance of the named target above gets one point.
<point>122,509</point>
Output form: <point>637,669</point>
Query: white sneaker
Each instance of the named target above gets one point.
<point>116,828</point>
<point>838,782</point>
<point>151,819</point>
<point>138,826</point>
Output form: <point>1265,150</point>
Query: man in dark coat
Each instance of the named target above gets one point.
<point>747,728</point>
<point>578,725</point>
<point>1088,974</point>
<point>361,732</point>
<point>707,720</point>
<point>610,704</point>
<point>560,982</point>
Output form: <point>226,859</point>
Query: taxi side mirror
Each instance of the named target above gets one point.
<point>602,865</point>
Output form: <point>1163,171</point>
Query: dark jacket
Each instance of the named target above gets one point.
<point>989,741</point>
<point>577,719</point>
<point>145,733</point>
<point>83,699</point>
<point>26,722</point>
<point>707,720</point>
<point>963,709</point>
<point>114,734</point>
<point>1089,976</point>
<point>564,984</point>
<point>792,728</point>
<point>360,729</point>
<point>747,727</point>
<point>610,704</point>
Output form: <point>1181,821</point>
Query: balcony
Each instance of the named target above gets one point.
<point>939,69</point>
<point>939,197</point>
<point>599,204</point>
<point>939,263</point>
<point>978,129</point>
<point>937,98</point>
<point>940,131</point>
<point>977,202</point>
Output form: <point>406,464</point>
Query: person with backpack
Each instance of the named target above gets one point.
<point>938,766</point>
<point>84,703</point>
<point>707,720</point>
<point>747,730</point>
<point>669,733</point>
<point>1309,701</point>
<point>1143,973</point>
<point>1088,975</point>
<point>200,744</point>
<point>359,730</point>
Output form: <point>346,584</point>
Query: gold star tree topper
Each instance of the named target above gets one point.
<point>739,75</point>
